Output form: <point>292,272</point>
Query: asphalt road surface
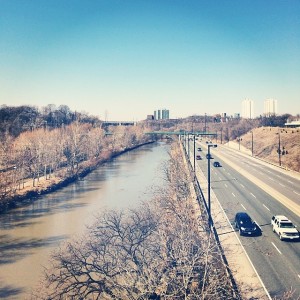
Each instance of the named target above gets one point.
<point>277,262</point>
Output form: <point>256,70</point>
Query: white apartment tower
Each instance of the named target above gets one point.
<point>247,109</point>
<point>270,107</point>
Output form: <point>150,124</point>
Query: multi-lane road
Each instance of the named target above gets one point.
<point>243,183</point>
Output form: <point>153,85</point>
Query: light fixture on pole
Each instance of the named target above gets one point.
<point>208,175</point>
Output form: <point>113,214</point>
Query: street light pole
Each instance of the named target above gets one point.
<point>279,150</point>
<point>252,143</point>
<point>195,155</point>
<point>208,175</point>
<point>188,145</point>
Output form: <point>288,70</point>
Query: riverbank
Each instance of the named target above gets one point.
<point>58,180</point>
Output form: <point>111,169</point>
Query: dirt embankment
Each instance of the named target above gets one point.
<point>268,140</point>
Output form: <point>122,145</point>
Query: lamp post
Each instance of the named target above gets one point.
<point>188,140</point>
<point>195,154</point>
<point>252,143</point>
<point>208,175</point>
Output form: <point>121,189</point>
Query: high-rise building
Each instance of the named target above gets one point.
<point>247,109</point>
<point>270,107</point>
<point>165,114</point>
<point>158,115</point>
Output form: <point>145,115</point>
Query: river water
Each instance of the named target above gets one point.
<point>28,234</point>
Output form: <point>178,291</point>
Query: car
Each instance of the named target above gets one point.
<point>246,225</point>
<point>198,157</point>
<point>284,227</point>
<point>217,164</point>
<point>208,156</point>
<point>199,149</point>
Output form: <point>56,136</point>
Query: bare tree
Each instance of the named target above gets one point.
<point>157,251</point>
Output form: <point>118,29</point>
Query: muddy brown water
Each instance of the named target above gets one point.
<point>29,233</point>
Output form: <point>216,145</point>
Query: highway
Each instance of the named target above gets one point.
<point>277,262</point>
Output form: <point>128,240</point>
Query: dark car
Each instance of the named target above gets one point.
<point>217,164</point>
<point>198,157</point>
<point>208,156</point>
<point>246,225</point>
<point>199,149</point>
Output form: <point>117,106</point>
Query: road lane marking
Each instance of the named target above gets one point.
<point>290,181</point>
<point>296,193</point>
<point>290,204</point>
<point>243,206</point>
<point>282,184</point>
<point>228,173</point>
<point>242,185</point>
<point>276,248</point>
<point>225,184</point>
<point>253,195</point>
<point>298,275</point>
<point>233,195</point>
<point>271,178</point>
<point>266,207</point>
<point>220,178</point>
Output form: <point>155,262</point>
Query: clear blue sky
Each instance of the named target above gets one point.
<point>129,58</point>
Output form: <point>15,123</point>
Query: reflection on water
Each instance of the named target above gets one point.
<point>29,233</point>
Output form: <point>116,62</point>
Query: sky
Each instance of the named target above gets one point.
<point>123,59</point>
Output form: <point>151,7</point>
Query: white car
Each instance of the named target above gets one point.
<point>284,228</point>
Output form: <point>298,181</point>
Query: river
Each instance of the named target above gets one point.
<point>29,233</point>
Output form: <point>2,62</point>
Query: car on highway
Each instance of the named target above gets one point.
<point>208,156</point>
<point>217,164</point>
<point>246,225</point>
<point>199,149</point>
<point>198,157</point>
<point>284,227</point>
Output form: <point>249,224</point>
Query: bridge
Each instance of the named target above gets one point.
<point>118,123</point>
<point>197,133</point>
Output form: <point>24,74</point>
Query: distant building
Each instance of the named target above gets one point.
<point>158,115</point>
<point>165,114</point>
<point>270,107</point>
<point>247,109</point>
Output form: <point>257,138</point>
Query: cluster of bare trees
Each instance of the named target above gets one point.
<point>156,251</point>
<point>65,151</point>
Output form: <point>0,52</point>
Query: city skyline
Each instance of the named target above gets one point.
<point>118,60</point>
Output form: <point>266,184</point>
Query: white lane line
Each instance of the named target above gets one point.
<point>296,193</point>
<point>269,171</point>
<point>225,184</point>
<point>290,181</point>
<point>278,176</point>
<point>243,206</point>
<point>242,185</point>
<point>220,178</point>
<point>266,207</point>
<point>298,275</point>
<point>228,173</point>
<point>276,248</point>
<point>233,195</point>
<point>282,184</point>
<point>253,195</point>
<point>271,178</point>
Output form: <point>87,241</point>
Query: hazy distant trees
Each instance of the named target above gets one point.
<point>17,119</point>
<point>159,250</point>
